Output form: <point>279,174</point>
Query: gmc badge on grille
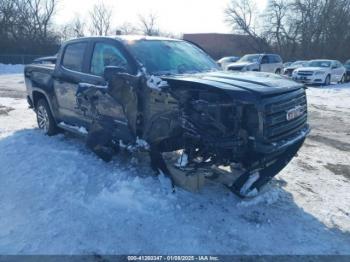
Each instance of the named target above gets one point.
<point>294,113</point>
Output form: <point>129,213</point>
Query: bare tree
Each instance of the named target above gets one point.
<point>100,17</point>
<point>148,24</point>
<point>73,29</point>
<point>79,27</point>
<point>127,29</point>
<point>280,26</point>
<point>241,15</point>
<point>27,25</point>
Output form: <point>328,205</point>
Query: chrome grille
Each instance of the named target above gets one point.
<point>305,73</point>
<point>276,126</point>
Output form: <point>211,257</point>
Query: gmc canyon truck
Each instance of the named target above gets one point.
<point>169,98</point>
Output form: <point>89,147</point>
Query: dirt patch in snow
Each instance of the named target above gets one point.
<point>4,110</point>
<point>339,169</point>
<point>340,145</point>
<point>305,166</point>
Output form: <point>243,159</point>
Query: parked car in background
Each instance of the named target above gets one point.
<point>46,60</point>
<point>347,67</point>
<point>322,72</point>
<point>258,62</point>
<point>225,61</point>
<point>286,64</point>
<point>288,70</point>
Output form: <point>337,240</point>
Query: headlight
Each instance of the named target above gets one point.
<point>319,73</point>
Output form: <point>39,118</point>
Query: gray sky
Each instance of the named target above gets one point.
<point>176,16</point>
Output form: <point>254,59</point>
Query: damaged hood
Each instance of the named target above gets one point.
<point>254,82</point>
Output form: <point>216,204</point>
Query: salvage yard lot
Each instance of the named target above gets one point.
<point>56,197</point>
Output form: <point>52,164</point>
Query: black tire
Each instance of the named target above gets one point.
<point>342,80</point>
<point>327,81</point>
<point>278,71</point>
<point>44,117</point>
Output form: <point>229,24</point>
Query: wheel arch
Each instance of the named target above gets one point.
<point>37,95</point>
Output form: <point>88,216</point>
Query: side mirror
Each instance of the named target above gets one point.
<point>111,71</point>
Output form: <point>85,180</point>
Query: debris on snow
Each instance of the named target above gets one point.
<point>139,145</point>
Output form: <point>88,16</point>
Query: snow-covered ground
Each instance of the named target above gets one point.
<point>11,69</point>
<point>56,197</point>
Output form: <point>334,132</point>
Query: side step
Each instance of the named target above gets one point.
<point>81,131</point>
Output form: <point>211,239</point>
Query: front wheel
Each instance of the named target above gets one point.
<point>327,81</point>
<point>278,71</point>
<point>45,119</point>
<point>342,80</point>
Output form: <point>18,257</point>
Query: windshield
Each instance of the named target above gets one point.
<point>320,64</point>
<point>165,57</point>
<point>250,58</point>
<point>299,63</point>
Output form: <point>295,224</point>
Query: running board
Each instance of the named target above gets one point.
<point>81,131</point>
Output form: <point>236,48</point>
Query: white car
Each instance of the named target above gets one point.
<point>288,70</point>
<point>258,62</point>
<point>322,72</point>
<point>225,61</point>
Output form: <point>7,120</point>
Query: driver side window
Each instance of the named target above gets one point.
<point>107,55</point>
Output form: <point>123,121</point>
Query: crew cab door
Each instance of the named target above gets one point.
<point>67,76</point>
<point>116,100</point>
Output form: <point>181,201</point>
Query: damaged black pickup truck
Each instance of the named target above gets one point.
<point>169,98</point>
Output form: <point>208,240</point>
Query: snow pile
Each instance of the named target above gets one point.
<point>11,69</point>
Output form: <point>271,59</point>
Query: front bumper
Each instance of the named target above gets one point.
<point>310,79</point>
<point>284,144</point>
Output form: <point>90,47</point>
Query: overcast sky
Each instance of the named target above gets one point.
<point>176,16</point>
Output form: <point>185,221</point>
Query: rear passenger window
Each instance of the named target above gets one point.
<point>275,59</point>
<point>74,56</point>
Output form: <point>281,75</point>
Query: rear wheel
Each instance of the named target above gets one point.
<point>278,71</point>
<point>44,117</point>
<point>342,80</point>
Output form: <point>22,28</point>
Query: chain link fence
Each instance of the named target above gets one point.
<point>18,59</point>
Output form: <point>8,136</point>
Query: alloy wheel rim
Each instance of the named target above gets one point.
<point>43,119</point>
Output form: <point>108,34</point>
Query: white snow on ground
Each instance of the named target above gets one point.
<point>11,69</point>
<point>57,197</point>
